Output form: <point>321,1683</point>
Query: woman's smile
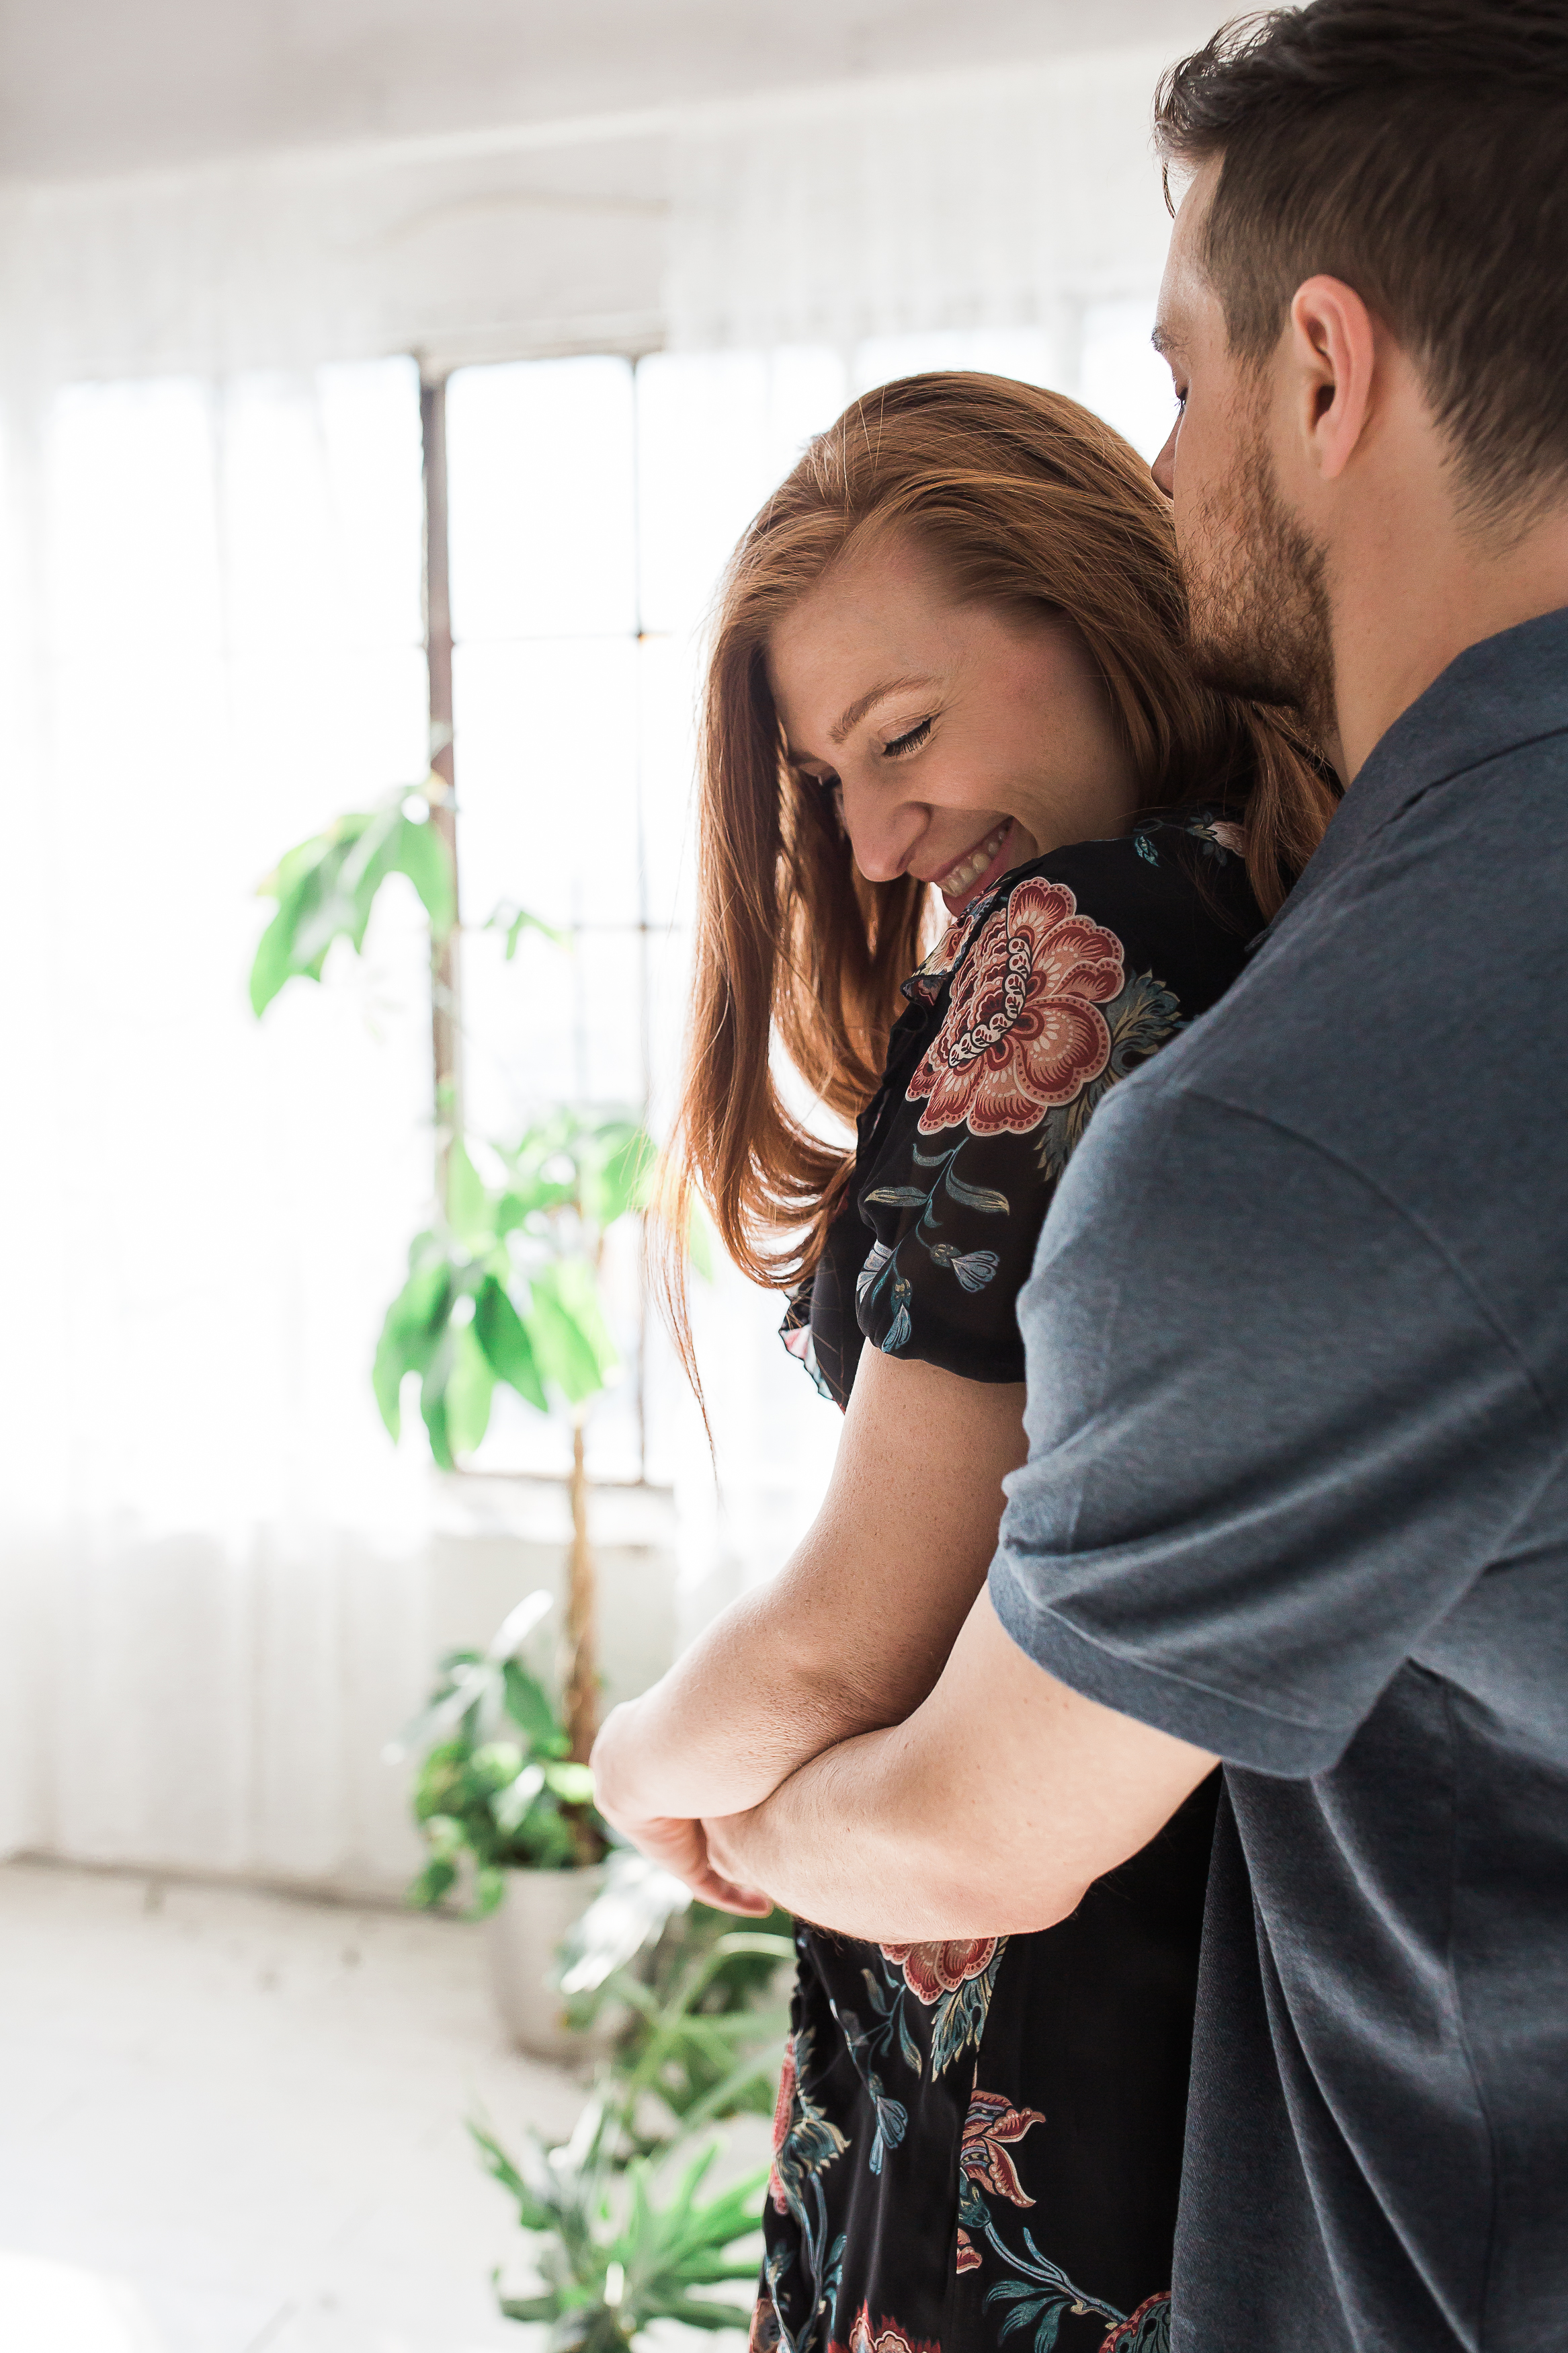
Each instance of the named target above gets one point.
<point>1004,846</point>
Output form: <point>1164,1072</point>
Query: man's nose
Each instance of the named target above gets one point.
<point>882,831</point>
<point>1164,466</point>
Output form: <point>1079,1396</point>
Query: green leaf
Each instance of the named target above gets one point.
<point>420,851</point>
<point>326,887</point>
<point>571,1783</point>
<point>573,1357</point>
<point>433,1402</point>
<point>528,1705</point>
<point>468,1211</point>
<point>517,920</point>
<point>899,1197</point>
<point>502,1334</point>
<point>469,1387</point>
<point>623,1180</point>
<point>410,1335</point>
<point>272,966</point>
<point>575,1287</point>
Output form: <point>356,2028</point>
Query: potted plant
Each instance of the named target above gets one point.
<point>622,2235</point>
<point>506,1813</point>
<point>502,1287</point>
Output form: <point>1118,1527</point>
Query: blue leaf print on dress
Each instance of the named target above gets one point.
<point>974,1269</point>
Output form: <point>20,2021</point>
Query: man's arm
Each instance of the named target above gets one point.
<point>988,1812</point>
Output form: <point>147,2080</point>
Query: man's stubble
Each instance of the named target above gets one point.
<point>1258,604</point>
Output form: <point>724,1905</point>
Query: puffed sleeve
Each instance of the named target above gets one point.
<point>1086,965</point>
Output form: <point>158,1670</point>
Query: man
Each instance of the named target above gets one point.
<point>1298,1332</point>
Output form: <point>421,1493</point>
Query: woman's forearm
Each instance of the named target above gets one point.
<point>750,1701</point>
<point>856,1628</point>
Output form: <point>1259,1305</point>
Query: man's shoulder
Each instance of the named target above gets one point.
<point>1429,966</point>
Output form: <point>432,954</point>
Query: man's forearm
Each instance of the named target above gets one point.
<point>988,1812</point>
<point>858,1841</point>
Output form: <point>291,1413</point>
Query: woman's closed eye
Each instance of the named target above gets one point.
<point>901,744</point>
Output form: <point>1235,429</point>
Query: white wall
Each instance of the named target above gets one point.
<point>91,87</point>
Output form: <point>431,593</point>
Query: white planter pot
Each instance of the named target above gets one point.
<point>536,1912</point>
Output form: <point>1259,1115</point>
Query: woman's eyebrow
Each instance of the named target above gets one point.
<point>857,711</point>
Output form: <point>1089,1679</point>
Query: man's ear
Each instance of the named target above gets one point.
<point>1333,360</point>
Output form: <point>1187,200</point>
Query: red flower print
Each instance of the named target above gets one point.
<point>991,2122</point>
<point>889,2339</point>
<point>932,1970</point>
<point>968,2254</point>
<point>783,2108</point>
<point>765,2333</point>
<point>1024,1029</point>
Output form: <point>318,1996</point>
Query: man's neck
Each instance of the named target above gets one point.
<point>1406,603</point>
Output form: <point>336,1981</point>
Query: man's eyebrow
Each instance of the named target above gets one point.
<point>1167,344</point>
<point>851,718</point>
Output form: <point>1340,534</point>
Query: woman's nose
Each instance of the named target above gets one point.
<point>882,831</point>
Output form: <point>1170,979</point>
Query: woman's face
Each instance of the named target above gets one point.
<point>959,739</point>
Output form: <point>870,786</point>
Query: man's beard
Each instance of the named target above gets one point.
<point>1257,609</point>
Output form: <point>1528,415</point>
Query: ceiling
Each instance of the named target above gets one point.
<point>90,87</point>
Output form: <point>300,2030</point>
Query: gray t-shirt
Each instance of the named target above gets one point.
<point>1298,1493</point>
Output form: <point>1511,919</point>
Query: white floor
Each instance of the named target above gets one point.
<point>243,2115</point>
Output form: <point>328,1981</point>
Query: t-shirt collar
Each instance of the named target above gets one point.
<point>1504,691</point>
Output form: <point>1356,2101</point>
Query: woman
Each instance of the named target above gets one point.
<point>948,658</point>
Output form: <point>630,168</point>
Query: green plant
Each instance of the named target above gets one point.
<point>503,1287</point>
<point>615,2258</point>
<point>626,2238</point>
<point>496,1787</point>
<point>690,1981</point>
<point>326,887</point>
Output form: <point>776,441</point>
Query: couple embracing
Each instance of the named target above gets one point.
<point>1160,1735</point>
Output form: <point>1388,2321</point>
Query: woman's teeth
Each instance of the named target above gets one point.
<point>960,878</point>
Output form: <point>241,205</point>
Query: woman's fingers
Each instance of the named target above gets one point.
<point>680,1847</point>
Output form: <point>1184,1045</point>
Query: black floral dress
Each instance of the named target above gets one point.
<point>981,2141</point>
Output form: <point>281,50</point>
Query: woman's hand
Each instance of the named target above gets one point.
<point>673,1840</point>
<point>682,1848</point>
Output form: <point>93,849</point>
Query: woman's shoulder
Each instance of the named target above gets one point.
<point>1035,1002</point>
<point>1171,892</point>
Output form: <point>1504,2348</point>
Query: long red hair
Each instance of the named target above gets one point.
<point>1023,498</point>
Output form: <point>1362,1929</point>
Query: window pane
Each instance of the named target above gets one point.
<point>546,765</point>
<point>716,432</point>
<point>1124,379</point>
<point>540,458</point>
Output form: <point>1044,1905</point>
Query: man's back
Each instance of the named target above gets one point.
<point>1313,1516</point>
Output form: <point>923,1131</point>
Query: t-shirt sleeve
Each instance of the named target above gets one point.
<point>1274,1434</point>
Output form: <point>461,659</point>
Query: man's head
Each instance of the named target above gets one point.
<point>1366,281</point>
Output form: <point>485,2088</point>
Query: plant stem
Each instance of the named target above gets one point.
<point>446,979</point>
<point>582,1674</point>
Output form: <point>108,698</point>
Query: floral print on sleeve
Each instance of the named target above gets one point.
<point>1040,1018</point>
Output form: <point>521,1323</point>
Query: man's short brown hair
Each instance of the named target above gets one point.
<point>1417,150</point>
